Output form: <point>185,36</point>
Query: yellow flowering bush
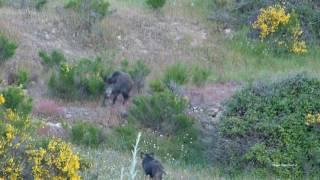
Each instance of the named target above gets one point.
<point>21,159</point>
<point>298,46</point>
<point>270,19</point>
<point>282,30</point>
<point>56,162</point>
<point>312,119</point>
<point>2,100</point>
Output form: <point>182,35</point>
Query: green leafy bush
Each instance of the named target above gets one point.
<point>138,71</point>
<point>87,134</point>
<point>158,111</point>
<point>7,48</point>
<point>157,86</point>
<point>22,78</point>
<point>90,11</point>
<point>177,73</point>
<point>40,3</point>
<point>156,4</point>
<point>17,100</point>
<point>82,80</point>
<point>55,59</point>
<point>62,83</point>
<point>200,75</point>
<point>264,126</point>
<point>163,112</point>
<point>91,73</point>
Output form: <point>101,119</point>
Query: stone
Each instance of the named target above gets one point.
<point>68,116</point>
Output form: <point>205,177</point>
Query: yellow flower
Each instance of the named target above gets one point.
<point>318,118</point>
<point>2,99</point>
<point>10,132</point>
<point>10,115</point>
<point>310,119</point>
<point>270,19</point>
<point>299,47</point>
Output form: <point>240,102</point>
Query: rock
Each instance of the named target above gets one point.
<point>47,37</point>
<point>52,130</point>
<point>213,111</point>
<point>227,31</point>
<point>124,113</point>
<point>68,116</point>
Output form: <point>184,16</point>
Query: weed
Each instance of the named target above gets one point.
<point>7,48</point>
<point>17,100</point>
<point>177,73</point>
<point>200,75</point>
<point>54,59</point>
<point>86,134</point>
<point>156,4</point>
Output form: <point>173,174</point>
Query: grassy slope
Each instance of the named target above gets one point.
<point>232,60</point>
<point>110,163</point>
<point>244,61</point>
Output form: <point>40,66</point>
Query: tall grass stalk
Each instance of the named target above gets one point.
<point>121,176</point>
<point>133,172</point>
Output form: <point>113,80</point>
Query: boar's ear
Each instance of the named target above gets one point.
<point>142,155</point>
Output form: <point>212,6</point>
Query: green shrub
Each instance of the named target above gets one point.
<point>138,71</point>
<point>22,77</point>
<point>87,134</point>
<point>17,100</point>
<point>7,48</point>
<point>89,11</point>
<point>91,73</point>
<point>40,3</point>
<point>62,83</point>
<point>200,75</point>
<point>156,4</point>
<point>264,126</point>
<point>157,86</point>
<point>164,113</point>
<point>55,59</point>
<point>158,111</point>
<point>177,73</point>
<point>80,81</point>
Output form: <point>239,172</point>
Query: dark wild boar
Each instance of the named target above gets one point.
<point>151,166</point>
<point>117,83</point>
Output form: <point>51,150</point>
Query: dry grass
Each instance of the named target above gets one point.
<point>107,164</point>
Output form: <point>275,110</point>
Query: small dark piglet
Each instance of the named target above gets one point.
<point>151,166</point>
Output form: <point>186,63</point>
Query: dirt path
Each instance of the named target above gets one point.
<point>205,106</point>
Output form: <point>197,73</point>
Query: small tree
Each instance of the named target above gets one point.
<point>90,11</point>
<point>156,4</point>
<point>7,48</point>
